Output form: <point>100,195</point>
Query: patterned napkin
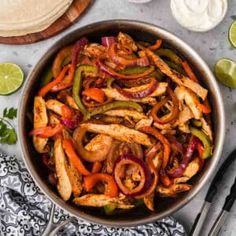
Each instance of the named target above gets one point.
<point>24,210</point>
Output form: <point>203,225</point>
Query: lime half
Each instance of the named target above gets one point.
<point>225,71</point>
<point>232,34</point>
<point>11,78</point>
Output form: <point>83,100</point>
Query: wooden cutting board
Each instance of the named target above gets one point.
<point>71,15</point>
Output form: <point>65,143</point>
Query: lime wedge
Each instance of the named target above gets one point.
<point>11,78</point>
<point>232,34</point>
<point>225,71</point>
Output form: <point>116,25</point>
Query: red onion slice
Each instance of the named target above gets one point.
<point>117,75</point>
<point>142,93</point>
<point>112,52</point>
<point>146,179</point>
<point>107,41</point>
<point>175,144</point>
<point>79,45</point>
<point>72,124</point>
<point>178,172</point>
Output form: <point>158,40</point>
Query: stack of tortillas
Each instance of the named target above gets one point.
<point>21,17</point>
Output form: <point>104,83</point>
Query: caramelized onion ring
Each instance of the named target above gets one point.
<point>145,180</point>
<point>90,156</point>
<point>117,75</point>
<point>142,93</point>
<point>172,116</point>
<point>112,52</point>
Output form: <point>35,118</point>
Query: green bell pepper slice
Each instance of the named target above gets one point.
<point>66,61</point>
<point>47,76</point>
<point>113,105</point>
<point>134,70</point>
<point>170,54</point>
<point>110,208</point>
<point>205,141</point>
<point>77,85</point>
<point>176,67</point>
<point>196,123</point>
<point>109,83</point>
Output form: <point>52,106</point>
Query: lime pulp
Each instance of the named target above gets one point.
<point>225,71</point>
<point>232,34</point>
<point>11,78</point>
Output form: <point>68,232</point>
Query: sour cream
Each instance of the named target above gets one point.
<point>199,15</point>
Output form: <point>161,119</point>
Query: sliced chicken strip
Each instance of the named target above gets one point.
<point>184,128</point>
<point>144,122</point>
<point>173,190</point>
<point>75,179</point>
<point>206,129</point>
<point>55,106</point>
<point>99,142</point>
<point>71,102</point>
<point>126,41</point>
<point>113,93</point>
<point>196,88</point>
<point>100,200</point>
<point>191,100</point>
<point>149,201</point>
<point>163,126</point>
<point>64,186</point>
<point>94,50</point>
<point>53,119</point>
<point>119,132</point>
<point>123,113</point>
<point>164,67</point>
<point>177,77</point>
<point>157,160</point>
<point>184,116</point>
<point>191,170</point>
<point>40,120</point>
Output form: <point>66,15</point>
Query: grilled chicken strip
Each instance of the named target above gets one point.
<point>173,190</point>
<point>75,179</point>
<point>191,100</point>
<point>64,186</point>
<point>191,170</point>
<point>99,143</point>
<point>119,132</point>
<point>144,122</point>
<point>113,93</point>
<point>100,200</point>
<point>71,102</point>
<point>55,106</point>
<point>206,129</point>
<point>124,113</point>
<point>183,121</point>
<point>149,201</point>
<point>53,119</point>
<point>177,77</point>
<point>40,120</point>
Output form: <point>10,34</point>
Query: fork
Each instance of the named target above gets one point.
<point>51,228</point>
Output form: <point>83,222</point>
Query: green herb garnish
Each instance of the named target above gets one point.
<point>7,131</point>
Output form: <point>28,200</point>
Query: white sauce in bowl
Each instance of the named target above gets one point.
<point>199,15</point>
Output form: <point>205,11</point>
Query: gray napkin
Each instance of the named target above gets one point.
<point>24,210</point>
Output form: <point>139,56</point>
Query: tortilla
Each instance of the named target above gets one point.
<point>29,16</point>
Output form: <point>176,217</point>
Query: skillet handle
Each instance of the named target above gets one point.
<point>229,201</point>
<point>218,177</point>
<point>200,219</point>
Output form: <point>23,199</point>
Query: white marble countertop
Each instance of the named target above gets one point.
<point>211,46</point>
